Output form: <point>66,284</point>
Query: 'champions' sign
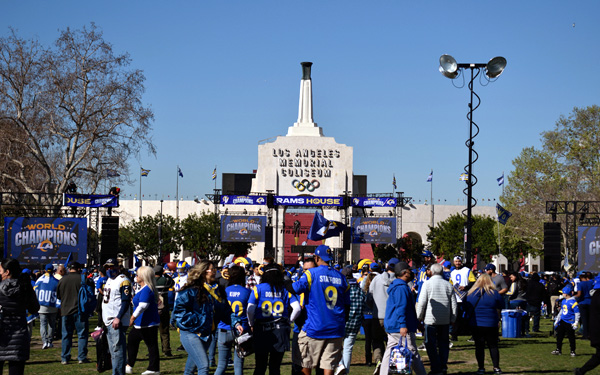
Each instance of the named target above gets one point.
<point>243,228</point>
<point>243,199</point>
<point>281,200</point>
<point>373,202</point>
<point>589,249</point>
<point>374,230</point>
<point>88,200</point>
<point>42,240</point>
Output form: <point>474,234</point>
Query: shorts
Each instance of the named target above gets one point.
<point>320,353</point>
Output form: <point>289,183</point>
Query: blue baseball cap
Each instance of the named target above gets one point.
<point>375,266</point>
<point>49,267</point>
<point>427,253</point>
<point>393,261</point>
<point>322,252</point>
<point>447,264</point>
<point>567,290</point>
<point>26,270</point>
<point>597,282</point>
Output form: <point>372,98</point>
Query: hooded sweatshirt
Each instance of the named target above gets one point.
<point>400,310</point>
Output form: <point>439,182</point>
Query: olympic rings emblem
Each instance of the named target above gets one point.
<point>306,185</point>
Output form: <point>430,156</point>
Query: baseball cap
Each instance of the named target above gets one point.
<point>347,272</point>
<point>322,252</point>
<point>400,266</point>
<point>110,262</point>
<point>597,282</point>
<point>447,264</point>
<point>75,266</point>
<point>393,261</point>
<point>26,270</point>
<point>49,267</point>
<point>490,266</point>
<point>375,266</point>
<point>427,253</point>
<point>158,270</point>
<point>458,257</point>
<point>567,290</point>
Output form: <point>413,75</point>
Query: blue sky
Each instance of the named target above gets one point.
<point>223,75</point>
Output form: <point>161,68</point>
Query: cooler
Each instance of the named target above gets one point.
<point>511,323</point>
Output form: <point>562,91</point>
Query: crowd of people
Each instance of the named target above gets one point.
<point>243,309</point>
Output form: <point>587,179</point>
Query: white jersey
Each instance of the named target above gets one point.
<point>461,277</point>
<point>116,292</point>
<point>180,282</point>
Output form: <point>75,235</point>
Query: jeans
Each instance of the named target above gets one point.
<point>393,340</point>
<point>437,344</point>
<point>347,356</point>
<point>225,343</point>
<point>212,348</point>
<point>584,310</point>
<point>71,323</point>
<point>196,349</point>
<point>535,312</point>
<point>117,346</point>
<point>47,324</point>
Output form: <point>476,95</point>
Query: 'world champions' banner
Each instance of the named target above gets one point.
<point>43,240</point>
<point>243,228</point>
<point>88,200</point>
<point>281,200</point>
<point>374,230</point>
<point>243,199</point>
<point>374,202</point>
<point>589,249</point>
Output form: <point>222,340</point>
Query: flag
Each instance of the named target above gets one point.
<point>68,260</point>
<point>430,177</point>
<point>179,172</point>
<point>137,263</point>
<point>112,173</point>
<point>322,228</point>
<point>145,172</point>
<point>464,177</point>
<point>502,213</point>
<point>500,180</point>
<point>394,183</point>
<point>214,174</point>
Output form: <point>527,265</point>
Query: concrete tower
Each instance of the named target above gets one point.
<point>305,125</point>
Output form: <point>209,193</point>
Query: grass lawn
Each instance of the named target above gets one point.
<point>517,356</point>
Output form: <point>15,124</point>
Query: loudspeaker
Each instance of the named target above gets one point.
<point>109,238</point>
<point>270,200</point>
<point>347,238</point>
<point>552,246</point>
<point>269,250</point>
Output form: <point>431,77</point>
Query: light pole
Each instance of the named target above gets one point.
<point>450,69</point>
<point>160,225</point>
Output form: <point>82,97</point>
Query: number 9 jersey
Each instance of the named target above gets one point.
<point>271,305</point>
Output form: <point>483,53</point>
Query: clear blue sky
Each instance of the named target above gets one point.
<point>222,75</point>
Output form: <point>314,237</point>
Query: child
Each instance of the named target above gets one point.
<point>566,321</point>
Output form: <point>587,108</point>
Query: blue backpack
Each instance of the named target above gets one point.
<point>87,299</point>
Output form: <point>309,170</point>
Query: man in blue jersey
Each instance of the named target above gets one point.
<point>45,289</point>
<point>326,298</point>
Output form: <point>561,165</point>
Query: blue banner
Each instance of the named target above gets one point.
<point>243,228</point>
<point>88,200</point>
<point>503,214</point>
<point>374,230</point>
<point>43,240</point>
<point>589,249</point>
<point>374,202</point>
<point>243,199</point>
<point>281,200</point>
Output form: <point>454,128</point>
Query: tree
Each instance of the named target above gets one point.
<point>143,235</point>
<point>68,113</point>
<point>447,237</point>
<point>202,234</point>
<point>566,167</point>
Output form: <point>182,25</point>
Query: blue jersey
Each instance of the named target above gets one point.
<point>569,310</point>
<point>149,317</point>
<point>238,296</point>
<point>271,305</point>
<point>45,289</point>
<point>326,295</point>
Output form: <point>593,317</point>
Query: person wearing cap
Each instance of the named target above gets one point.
<point>437,310</point>
<point>497,279</point>
<point>535,296</point>
<point>68,293</point>
<point>379,292</point>
<point>401,319</point>
<point>462,279</point>
<point>327,301</point>
<point>45,289</point>
<point>116,314</point>
<point>594,329</point>
<point>566,321</point>
<point>355,318</point>
<point>163,284</point>
<point>428,260</point>
<point>584,299</point>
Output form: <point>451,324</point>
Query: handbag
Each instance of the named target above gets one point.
<point>400,358</point>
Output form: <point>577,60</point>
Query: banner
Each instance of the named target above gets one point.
<point>88,200</point>
<point>243,228</point>
<point>43,240</point>
<point>374,230</point>
<point>374,202</point>
<point>281,200</point>
<point>243,199</point>
<point>322,228</point>
<point>588,249</point>
<point>503,214</point>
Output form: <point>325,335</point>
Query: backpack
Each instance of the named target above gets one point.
<point>86,299</point>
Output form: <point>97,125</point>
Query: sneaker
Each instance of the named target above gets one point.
<point>49,345</point>
<point>470,339</point>
<point>44,346</point>
<point>148,372</point>
<point>419,334</point>
<point>556,352</point>
<point>450,345</point>
<point>128,369</point>
<point>64,362</point>
<point>339,370</point>
<point>168,354</point>
<point>497,371</point>
<point>377,367</point>
<point>422,347</point>
<point>573,354</point>
<point>180,349</point>
<point>84,361</point>
<point>480,371</point>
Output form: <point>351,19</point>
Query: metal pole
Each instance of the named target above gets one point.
<point>160,241</point>
<point>177,195</point>
<point>469,223</point>
<point>432,209</point>
<point>140,194</point>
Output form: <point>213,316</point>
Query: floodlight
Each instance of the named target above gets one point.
<point>448,66</point>
<point>495,67</point>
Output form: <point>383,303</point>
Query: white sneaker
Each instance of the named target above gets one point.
<point>49,345</point>
<point>44,346</point>
<point>128,369</point>
<point>419,334</point>
<point>148,372</point>
<point>339,370</point>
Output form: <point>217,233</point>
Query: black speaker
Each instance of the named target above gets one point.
<point>347,238</point>
<point>269,250</point>
<point>109,238</point>
<point>270,200</point>
<point>552,246</point>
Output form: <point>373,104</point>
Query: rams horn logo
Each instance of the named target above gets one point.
<point>45,246</point>
<point>244,232</point>
<point>373,233</point>
<point>225,199</point>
